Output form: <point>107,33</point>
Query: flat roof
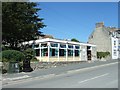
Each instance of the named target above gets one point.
<point>57,41</point>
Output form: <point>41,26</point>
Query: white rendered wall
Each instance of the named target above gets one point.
<point>114,48</point>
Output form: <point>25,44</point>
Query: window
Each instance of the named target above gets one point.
<point>77,47</point>
<point>37,52</point>
<point>62,46</point>
<point>44,45</point>
<point>62,52</point>
<point>53,52</point>
<point>76,52</point>
<point>70,46</point>
<point>36,45</point>
<point>92,36</point>
<point>70,52</point>
<point>115,53</point>
<point>114,42</point>
<point>54,44</point>
<point>44,52</point>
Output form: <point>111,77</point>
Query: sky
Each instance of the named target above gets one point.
<point>67,20</point>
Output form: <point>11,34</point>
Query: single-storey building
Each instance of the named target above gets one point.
<point>52,50</point>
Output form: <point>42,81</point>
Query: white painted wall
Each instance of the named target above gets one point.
<point>115,51</point>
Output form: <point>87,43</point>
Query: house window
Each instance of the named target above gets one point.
<point>70,46</point>
<point>77,47</point>
<point>44,45</point>
<point>70,52</point>
<point>92,36</point>
<point>37,52</point>
<point>36,45</point>
<point>76,52</point>
<point>53,52</point>
<point>54,44</point>
<point>62,52</point>
<point>62,46</point>
<point>44,52</point>
<point>115,53</point>
<point>114,42</point>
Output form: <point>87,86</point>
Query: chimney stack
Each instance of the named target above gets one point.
<point>100,24</point>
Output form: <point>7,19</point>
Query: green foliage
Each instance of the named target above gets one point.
<point>5,48</point>
<point>102,54</point>
<point>29,52</point>
<point>12,55</point>
<point>74,40</point>
<point>34,59</point>
<point>20,22</point>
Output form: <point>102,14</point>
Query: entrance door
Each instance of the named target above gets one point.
<point>89,55</point>
<point>88,52</point>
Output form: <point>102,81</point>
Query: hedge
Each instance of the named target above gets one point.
<point>102,54</point>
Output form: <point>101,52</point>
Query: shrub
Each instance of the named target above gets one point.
<point>34,59</point>
<point>12,55</point>
<point>29,53</point>
<point>5,48</point>
<point>102,54</point>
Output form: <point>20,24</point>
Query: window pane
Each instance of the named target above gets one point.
<point>70,52</point>
<point>54,45</point>
<point>70,46</point>
<point>37,52</point>
<point>62,46</point>
<point>53,52</point>
<point>44,45</point>
<point>77,47</point>
<point>76,52</point>
<point>36,45</point>
<point>44,52</point>
<point>62,52</point>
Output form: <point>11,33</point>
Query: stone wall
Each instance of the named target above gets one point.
<point>101,38</point>
<point>61,59</point>
<point>45,65</point>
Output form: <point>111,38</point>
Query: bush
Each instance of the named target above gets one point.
<point>102,54</point>
<point>12,55</point>
<point>29,53</point>
<point>4,71</point>
<point>34,59</point>
<point>5,48</point>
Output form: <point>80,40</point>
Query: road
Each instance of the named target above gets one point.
<point>100,76</point>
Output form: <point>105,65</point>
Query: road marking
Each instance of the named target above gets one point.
<point>88,68</point>
<point>93,78</point>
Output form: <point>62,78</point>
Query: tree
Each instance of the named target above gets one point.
<point>20,23</point>
<point>74,40</point>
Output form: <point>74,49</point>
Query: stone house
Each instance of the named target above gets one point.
<point>102,37</point>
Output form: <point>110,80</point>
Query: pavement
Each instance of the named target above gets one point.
<point>50,72</point>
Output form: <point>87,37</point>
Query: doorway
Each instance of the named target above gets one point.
<point>89,52</point>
